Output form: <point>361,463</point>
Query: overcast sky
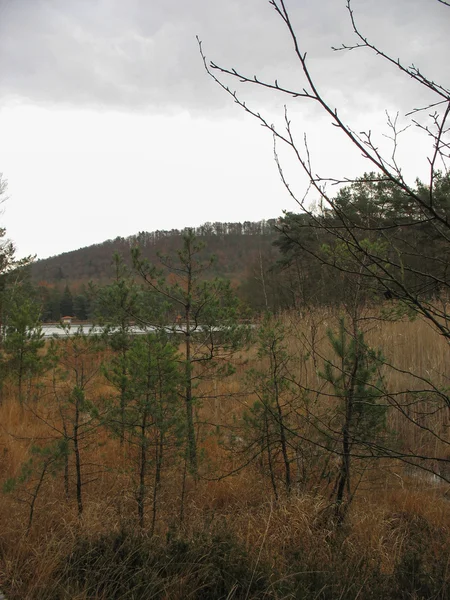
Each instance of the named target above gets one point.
<point>109,124</point>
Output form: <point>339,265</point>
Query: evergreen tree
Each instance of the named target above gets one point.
<point>77,359</point>
<point>268,420</point>
<point>21,356</point>
<point>23,342</point>
<point>66,303</point>
<point>357,389</point>
<point>204,313</point>
<point>152,413</point>
<point>82,306</point>
<point>116,306</point>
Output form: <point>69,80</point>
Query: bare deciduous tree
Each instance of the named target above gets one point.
<point>401,251</point>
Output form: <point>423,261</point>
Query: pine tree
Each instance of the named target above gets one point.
<point>21,356</point>
<point>268,418</point>
<point>205,313</point>
<point>357,388</point>
<point>152,413</point>
<point>66,303</point>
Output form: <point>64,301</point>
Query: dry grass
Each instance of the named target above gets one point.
<point>396,520</point>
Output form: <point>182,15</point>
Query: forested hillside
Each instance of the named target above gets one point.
<point>241,252</point>
<point>296,261</point>
<point>234,245</point>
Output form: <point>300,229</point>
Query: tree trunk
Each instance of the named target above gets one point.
<point>283,441</point>
<point>157,484</point>
<point>269,455</point>
<point>76,448</point>
<point>344,475</point>
<point>192,444</point>
<point>142,470</point>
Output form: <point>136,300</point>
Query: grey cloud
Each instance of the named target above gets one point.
<point>142,54</point>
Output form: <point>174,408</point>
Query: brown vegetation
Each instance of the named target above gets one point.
<point>221,535</point>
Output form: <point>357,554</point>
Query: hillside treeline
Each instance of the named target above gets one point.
<point>292,262</point>
<point>233,244</point>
